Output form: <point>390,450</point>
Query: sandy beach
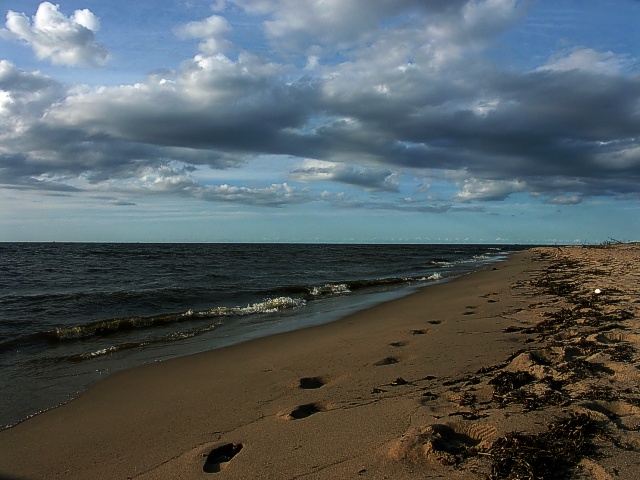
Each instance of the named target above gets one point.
<point>529,369</point>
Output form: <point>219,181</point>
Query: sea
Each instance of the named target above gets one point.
<point>72,313</point>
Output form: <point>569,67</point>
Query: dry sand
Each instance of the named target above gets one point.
<point>520,371</point>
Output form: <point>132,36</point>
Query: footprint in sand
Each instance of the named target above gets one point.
<point>470,310</point>
<point>624,415</point>
<point>399,381</point>
<point>219,457</point>
<point>311,383</point>
<point>443,444</point>
<point>428,397</point>
<point>386,361</point>
<point>306,410</point>
<point>488,297</point>
<point>398,344</point>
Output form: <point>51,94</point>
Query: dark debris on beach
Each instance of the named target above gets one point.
<point>556,453</point>
<point>553,454</point>
<point>578,318</point>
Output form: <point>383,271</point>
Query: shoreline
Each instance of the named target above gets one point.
<point>54,359</point>
<point>397,390</point>
<point>235,340</point>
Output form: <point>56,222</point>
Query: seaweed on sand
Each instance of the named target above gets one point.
<point>623,353</point>
<point>507,388</point>
<point>554,323</point>
<point>506,382</point>
<point>550,455</point>
<point>552,286</point>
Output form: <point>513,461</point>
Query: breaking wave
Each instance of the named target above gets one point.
<point>196,322</point>
<point>113,326</point>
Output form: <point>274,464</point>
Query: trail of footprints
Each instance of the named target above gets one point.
<point>443,441</point>
<point>439,443</point>
<point>220,456</point>
<point>312,383</point>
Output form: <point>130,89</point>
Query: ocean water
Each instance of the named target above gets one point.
<point>70,313</point>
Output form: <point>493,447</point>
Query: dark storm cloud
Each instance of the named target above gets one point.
<point>569,124</point>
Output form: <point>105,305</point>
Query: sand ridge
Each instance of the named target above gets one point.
<point>520,371</point>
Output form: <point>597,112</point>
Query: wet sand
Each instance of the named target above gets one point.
<point>498,374</point>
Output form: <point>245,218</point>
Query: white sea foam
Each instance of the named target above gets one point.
<point>69,332</point>
<point>330,289</point>
<point>273,305</point>
<point>433,276</point>
<point>270,305</point>
<point>102,351</point>
<point>95,354</point>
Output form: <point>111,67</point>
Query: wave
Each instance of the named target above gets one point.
<point>329,289</point>
<point>112,326</point>
<point>173,337</point>
<point>385,282</point>
<point>271,305</point>
<point>104,351</point>
<point>295,296</point>
<point>351,286</point>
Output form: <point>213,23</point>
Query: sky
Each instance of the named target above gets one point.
<point>411,121</point>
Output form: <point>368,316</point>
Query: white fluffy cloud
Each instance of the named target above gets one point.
<point>60,39</point>
<point>211,31</point>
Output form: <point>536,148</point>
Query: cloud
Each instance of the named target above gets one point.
<point>275,195</point>
<point>294,25</point>
<point>173,180</point>
<point>210,30</point>
<point>571,124</point>
<point>489,190</point>
<point>564,200</point>
<point>375,179</point>
<point>33,145</point>
<point>62,40</point>
<point>24,96</point>
<point>338,30</point>
<point>215,103</point>
<point>342,200</point>
<point>588,60</point>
